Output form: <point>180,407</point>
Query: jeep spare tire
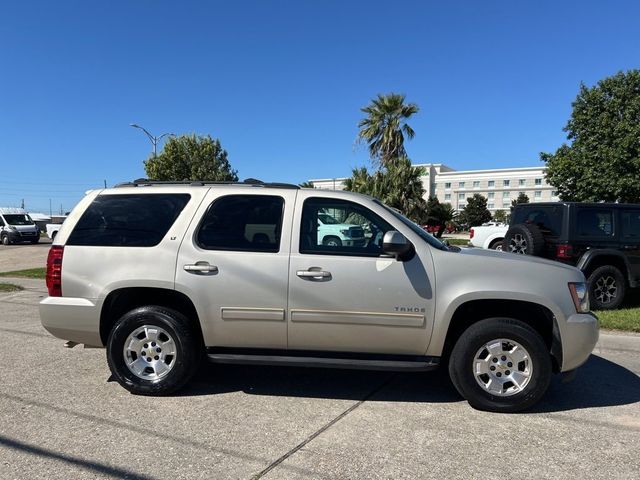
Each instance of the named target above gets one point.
<point>523,239</point>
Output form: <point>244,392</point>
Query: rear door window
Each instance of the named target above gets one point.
<point>246,223</point>
<point>594,222</point>
<point>630,220</point>
<point>130,220</point>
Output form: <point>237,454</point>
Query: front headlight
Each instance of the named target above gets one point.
<point>346,233</point>
<point>580,295</point>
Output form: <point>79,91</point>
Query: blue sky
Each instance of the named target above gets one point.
<point>281,83</point>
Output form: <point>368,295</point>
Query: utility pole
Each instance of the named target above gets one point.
<point>50,210</point>
<point>154,140</point>
<point>22,204</point>
<point>105,184</point>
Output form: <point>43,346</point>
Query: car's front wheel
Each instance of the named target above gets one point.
<point>500,365</point>
<point>5,239</point>
<point>152,351</point>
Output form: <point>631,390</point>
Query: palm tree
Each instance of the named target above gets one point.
<point>384,128</point>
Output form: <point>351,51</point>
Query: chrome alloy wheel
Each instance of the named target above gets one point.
<point>606,290</point>
<point>149,352</point>
<point>502,367</point>
<point>518,244</point>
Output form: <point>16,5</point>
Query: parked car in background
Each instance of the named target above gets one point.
<point>16,226</point>
<point>332,232</point>
<point>52,230</point>
<point>488,235</point>
<point>601,239</point>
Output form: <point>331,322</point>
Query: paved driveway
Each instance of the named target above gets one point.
<point>24,255</point>
<point>62,417</point>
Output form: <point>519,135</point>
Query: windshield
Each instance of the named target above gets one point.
<point>430,239</point>
<point>15,219</point>
<point>327,219</point>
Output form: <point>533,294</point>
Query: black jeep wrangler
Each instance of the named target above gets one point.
<point>601,239</point>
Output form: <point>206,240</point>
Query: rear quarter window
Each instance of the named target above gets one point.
<point>130,220</point>
<point>548,218</point>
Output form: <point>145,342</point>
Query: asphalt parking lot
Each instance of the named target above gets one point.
<point>21,256</point>
<point>62,417</point>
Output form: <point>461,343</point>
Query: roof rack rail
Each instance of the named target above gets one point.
<point>199,183</point>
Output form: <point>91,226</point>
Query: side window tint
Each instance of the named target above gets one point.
<point>247,223</point>
<point>339,227</point>
<point>595,222</point>
<point>131,220</point>
<point>631,224</point>
<point>1,222</point>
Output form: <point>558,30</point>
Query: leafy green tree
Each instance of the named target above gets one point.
<point>191,157</point>
<point>385,126</point>
<point>500,216</point>
<point>475,212</point>
<point>522,198</point>
<point>439,214</point>
<point>602,161</point>
<point>399,186</point>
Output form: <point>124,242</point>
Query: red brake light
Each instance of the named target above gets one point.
<point>564,251</point>
<point>54,271</point>
<point>471,233</point>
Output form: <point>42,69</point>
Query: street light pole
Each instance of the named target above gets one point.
<point>154,140</point>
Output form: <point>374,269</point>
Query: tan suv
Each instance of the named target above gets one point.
<point>166,274</point>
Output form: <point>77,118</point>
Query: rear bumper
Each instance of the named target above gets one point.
<point>75,319</point>
<point>579,335</point>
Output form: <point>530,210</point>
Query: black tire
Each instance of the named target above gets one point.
<point>188,350</point>
<point>607,288</point>
<point>463,358</point>
<point>496,244</point>
<point>331,241</point>
<point>5,239</point>
<point>53,236</point>
<point>524,239</point>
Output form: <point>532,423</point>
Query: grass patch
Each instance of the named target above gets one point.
<point>28,273</point>
<point>458,241</point>
<point>10,287</point>
<point>626,319</point>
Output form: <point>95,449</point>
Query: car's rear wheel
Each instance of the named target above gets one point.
<point>607,288</point>
<point>496,244</point>
<point>152,351</point>
<point>500,365</point>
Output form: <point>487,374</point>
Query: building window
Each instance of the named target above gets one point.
<point>490,206</point>
<point>506,194</point>
<point>462,205</point>
<point>506,183</point>
<point>461,184</point>
<point>491,195</point>
<point>538,181</point>
<point>522,182</point>
<point>554,193</point>
<point>537,194</point>
<point>461,196</point>
<point>447,185</point>
<point>492,183</point>
<point>476,184</point>
<point>447,196</point>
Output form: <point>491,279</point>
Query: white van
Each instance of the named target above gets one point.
<point>17,226</point>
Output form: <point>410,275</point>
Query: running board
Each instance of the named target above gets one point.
<point>412,365</point>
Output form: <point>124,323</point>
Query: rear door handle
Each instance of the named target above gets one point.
<point>313,274</point>
<point>200,267</point>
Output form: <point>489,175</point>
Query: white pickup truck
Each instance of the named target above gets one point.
<point>489,235</point>
<point>52,229</point>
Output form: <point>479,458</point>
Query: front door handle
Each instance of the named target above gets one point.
<point>317,274</point>
<point>200,267</point>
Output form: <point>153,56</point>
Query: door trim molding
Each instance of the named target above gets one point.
<point>358,318</point>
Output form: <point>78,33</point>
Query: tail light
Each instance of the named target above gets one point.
<point>54,271</point>
<point>564,251</point>
<point>471,233</point>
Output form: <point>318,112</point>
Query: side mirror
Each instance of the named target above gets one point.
<point>396,244</point>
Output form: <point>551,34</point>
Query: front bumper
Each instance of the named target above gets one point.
<point>75,319</point>
<point>17,236</point>
<point>579,335</point>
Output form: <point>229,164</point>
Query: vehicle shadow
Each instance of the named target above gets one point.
<point>599,383</point>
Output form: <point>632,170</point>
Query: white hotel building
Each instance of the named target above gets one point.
<point>499,186</point>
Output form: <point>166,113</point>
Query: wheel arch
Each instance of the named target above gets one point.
<point>593,259</point>
<point>123,300</point>
<point>538,316</point>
